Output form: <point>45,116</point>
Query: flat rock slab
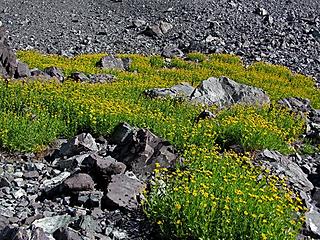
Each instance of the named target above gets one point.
<point>123,191</point>
<point>51,224</point>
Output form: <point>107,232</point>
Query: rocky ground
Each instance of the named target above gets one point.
<point>283,32</point>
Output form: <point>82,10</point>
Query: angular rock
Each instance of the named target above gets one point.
<point>313,222</point>
<point>225,92</point>
<point>102,78</point>
<point>296,104</point>
<point>71,163</point>
<point>8,60</point>
<point>79,182</point>
<point>55,73</point>
<point>171,52</point>
<point>205,114</point>
<point>183,90</point>
<point>165,27</point>
<point>51,224</point>
<point>89,199</point>
<point>22,70</point>
<point>87,225</point>
<point>284,165</point>
<point>123,192</point>
<point>121,134</point>
<point>81,143</point>
<point>36,73</point>
<point>143,150</point>
<point>51,184</point>
<point>104,166</point>
<point>111,62</point>
<point>81,77</point>
<point>153,31</point>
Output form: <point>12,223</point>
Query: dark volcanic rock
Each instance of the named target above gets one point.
<point>79,182</point>
<point>140,150</point>
<point>55,73</point>
<point>80,143</point>
<point>123,191</point>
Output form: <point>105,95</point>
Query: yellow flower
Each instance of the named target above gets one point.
<point>178,206</point>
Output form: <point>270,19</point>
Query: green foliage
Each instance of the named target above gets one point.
<point>34,113</point>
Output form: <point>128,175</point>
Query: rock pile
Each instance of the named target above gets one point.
<point>85,189</point>
<point>220,91</point>
<point>303,172</point>
<point>281,32</point>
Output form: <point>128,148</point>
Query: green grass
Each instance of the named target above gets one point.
<point>34,113</point>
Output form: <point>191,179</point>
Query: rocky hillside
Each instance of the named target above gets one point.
<point>282,32</point>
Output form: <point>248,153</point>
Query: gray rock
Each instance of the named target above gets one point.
<point>123,191</point>
<point>51,184</point>
<point>31,175</point>
<point>205,114</point>
<point>87,225</point>
<point>89,199</point>
<point>81,143</point>
<point>165,27</point>
<point>170,51</point>
<point>20,193</point>
<point>81,77</point>
<point>313,222</point>
<point>55,73</point>
<point>51,224</point>
<point>111,62</point>
<point>22,70</point>
<point>296,104</point>
<point>4,222</point>
<point>153,31</point>
<point>39,234</point>
<point>8,60</point>
<point>102,78</point>
<point>183,90</point>
<point>224,92</point>
<point>71,163</point>
<point>316,196</point>
<point>79,182</point>
<point>38,74</point>
<point>283,164</point>
<point>138,23</point>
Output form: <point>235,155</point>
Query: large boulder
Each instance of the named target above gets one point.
<point>141,150</point>
<point>220,91</point>
<point>123,192</point>
<point>224,92</point>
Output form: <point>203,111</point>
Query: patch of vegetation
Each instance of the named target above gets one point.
<point>218,196</point>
